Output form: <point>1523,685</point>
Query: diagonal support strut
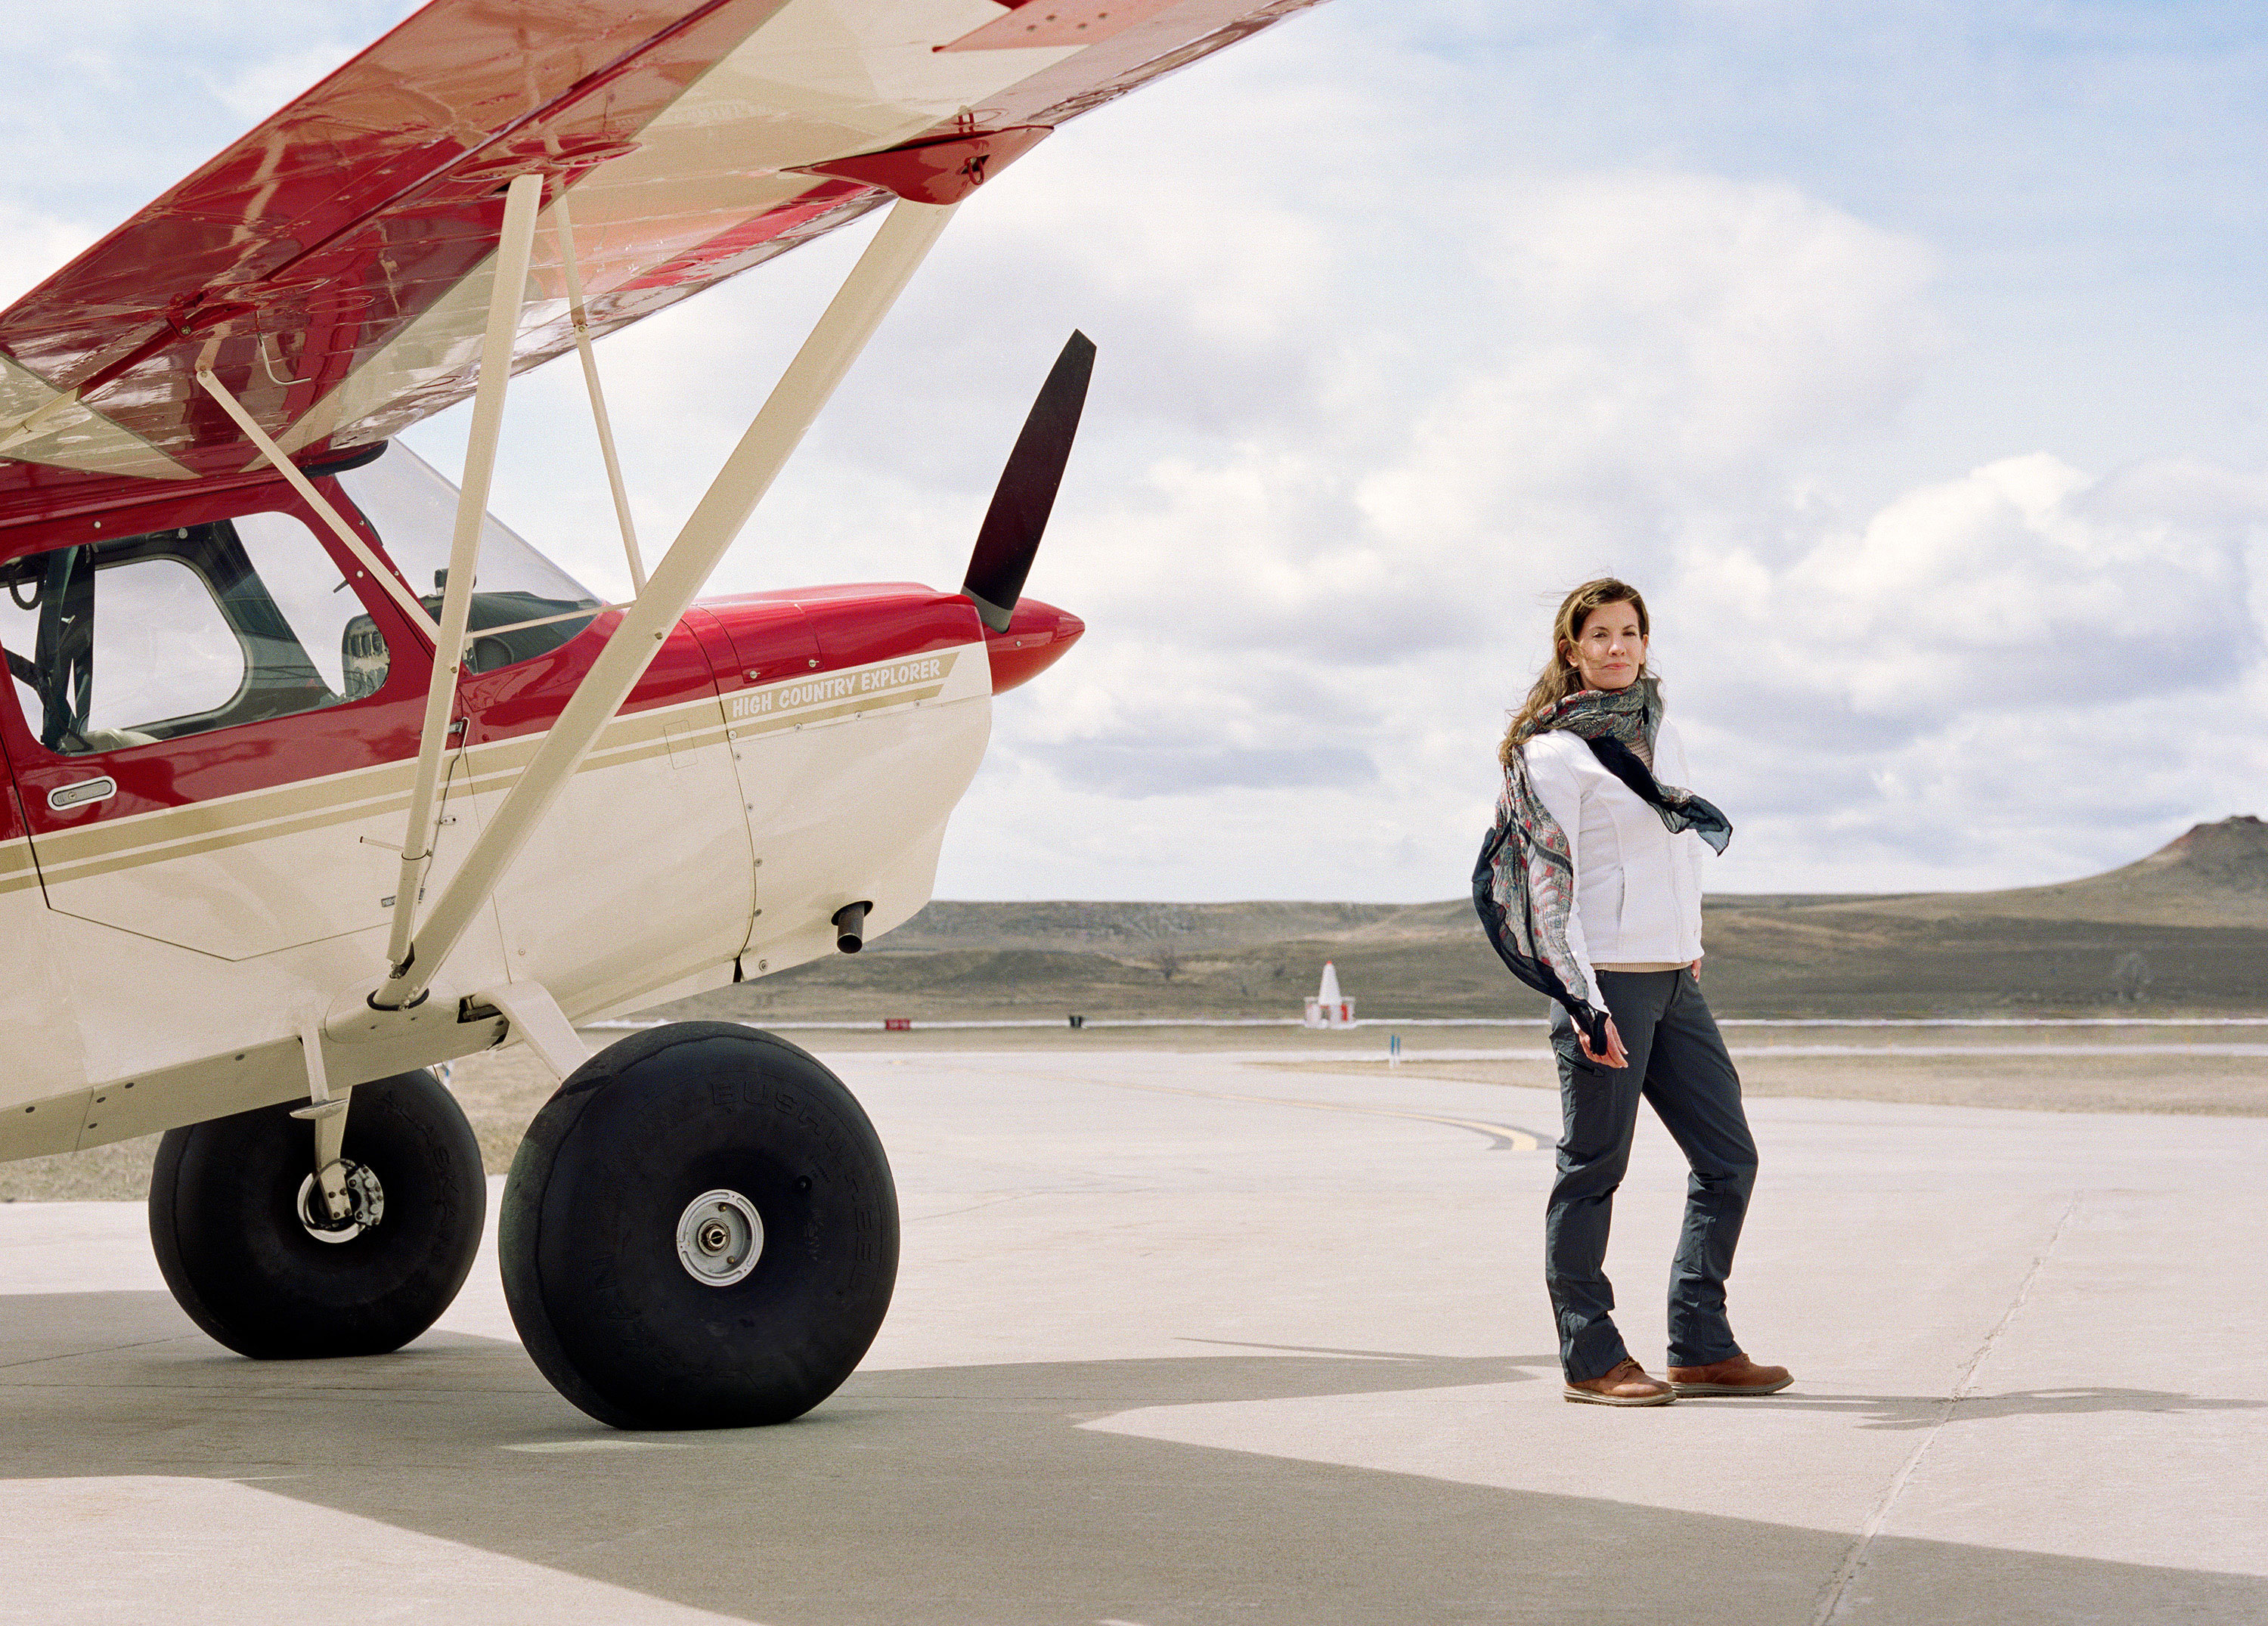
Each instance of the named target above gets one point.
<point>562,225</point>
<point>330,516</point>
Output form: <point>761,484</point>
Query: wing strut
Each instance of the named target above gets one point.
<point>34,423</point>
<point>507,291</point>
<point>382,574</point>
<point>842,332</point>
<point>562,225</point>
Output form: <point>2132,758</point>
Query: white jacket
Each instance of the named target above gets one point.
<point>1638,887</point>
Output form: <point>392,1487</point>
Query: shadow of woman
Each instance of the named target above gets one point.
<point>1922,1411</point>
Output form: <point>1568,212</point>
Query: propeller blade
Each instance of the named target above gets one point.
<point>1026,494</point>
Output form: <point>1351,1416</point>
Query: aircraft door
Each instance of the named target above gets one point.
<point>762,642</point>
<point>643,874</point>
<point>210,723</point>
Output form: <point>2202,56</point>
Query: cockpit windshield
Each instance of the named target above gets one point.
<point>414,509</point>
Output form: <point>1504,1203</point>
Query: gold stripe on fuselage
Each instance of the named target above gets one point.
<point>16,869</point>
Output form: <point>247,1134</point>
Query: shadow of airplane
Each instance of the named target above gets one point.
<point>968,1495</point>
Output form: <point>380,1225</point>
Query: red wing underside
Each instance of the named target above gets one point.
<point>332,268</point>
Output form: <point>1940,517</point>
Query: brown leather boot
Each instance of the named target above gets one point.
<point>1627,1385</point>
<point>1737,1376</point>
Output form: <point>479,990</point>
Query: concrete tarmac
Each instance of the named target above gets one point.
<point>1180,1339</point>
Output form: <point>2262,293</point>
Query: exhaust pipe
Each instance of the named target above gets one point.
<point>850,927</point>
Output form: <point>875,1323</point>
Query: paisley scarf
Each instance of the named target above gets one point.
<point>1524,883</point>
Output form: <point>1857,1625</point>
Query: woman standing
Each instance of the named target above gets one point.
<point>1590,888</point>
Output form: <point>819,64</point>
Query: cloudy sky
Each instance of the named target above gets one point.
<point>1909,358</point>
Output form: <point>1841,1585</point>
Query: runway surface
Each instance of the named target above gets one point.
<point>1180,1339</point>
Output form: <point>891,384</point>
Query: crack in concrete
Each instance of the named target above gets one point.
<point>1837,1600</point>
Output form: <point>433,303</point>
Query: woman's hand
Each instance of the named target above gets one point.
<point>1695,969</point>
<point>1616,1056</point>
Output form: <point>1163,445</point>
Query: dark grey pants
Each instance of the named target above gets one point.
<point>1678,1062</point>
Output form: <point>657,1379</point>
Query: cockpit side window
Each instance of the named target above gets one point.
<point>136,639</point>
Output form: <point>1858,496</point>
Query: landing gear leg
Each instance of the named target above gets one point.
<point>329,1115</point>
<point>331,1196</point>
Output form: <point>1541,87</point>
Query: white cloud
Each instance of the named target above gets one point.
<point>256,90</point>
<point>34,247</point>
<point>2006,675</point>
<point>2029,582</point>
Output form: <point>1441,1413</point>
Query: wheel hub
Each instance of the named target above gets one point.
<point>366,1205</point>
<point>719,1238</point>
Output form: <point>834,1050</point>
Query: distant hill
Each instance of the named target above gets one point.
<point>2213,875</point>
<point>2185,928</point>
<point>1135,928</point>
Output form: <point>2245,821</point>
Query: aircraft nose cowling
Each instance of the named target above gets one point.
<point>1036,637</point>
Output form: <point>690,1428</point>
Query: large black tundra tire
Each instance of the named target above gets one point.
<point>224,1217</point>
<point>604,1224</point>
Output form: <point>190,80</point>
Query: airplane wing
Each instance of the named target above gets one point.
<point>331,266</point>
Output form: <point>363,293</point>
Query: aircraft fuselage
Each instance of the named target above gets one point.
<point>186,891</point>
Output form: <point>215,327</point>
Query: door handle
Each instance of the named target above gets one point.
<point>64,796</point>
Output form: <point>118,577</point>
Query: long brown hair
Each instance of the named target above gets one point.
<point>1559,679</point>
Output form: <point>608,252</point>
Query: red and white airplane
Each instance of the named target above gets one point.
<point>319,776</point>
